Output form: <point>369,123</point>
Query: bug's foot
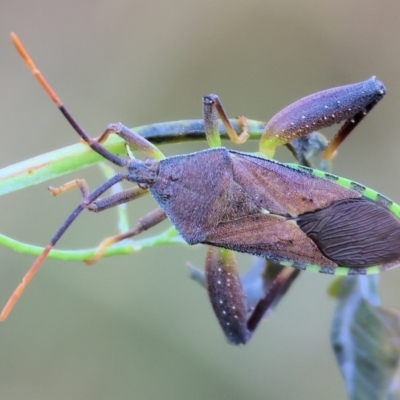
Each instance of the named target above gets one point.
<point>244,135</point>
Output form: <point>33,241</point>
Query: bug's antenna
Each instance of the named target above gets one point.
<point>97,147</point>
<point>39,261</point>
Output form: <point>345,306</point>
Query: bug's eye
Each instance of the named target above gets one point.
<point>354,233</point>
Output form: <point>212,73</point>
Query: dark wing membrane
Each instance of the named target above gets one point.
<point>354,233</point>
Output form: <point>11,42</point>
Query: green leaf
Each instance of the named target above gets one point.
<point>366,340</point>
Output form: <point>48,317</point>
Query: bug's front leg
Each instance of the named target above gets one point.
<point>350,103</point>
<point>133,138</point>
<point>148,221</point>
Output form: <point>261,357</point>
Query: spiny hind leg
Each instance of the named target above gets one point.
<point>240,303</point>
<point>344,104</point>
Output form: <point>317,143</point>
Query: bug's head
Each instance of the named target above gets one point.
<point>144,173</point>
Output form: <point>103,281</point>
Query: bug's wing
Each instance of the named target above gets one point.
<point>275,238</point>
<point>281,189</point>
<point>354,233</point>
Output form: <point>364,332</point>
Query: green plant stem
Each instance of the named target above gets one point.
<point>78,156</point>
<point>73,158</point>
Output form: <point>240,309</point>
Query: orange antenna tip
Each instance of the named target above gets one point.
<point>22,52</point>
<point>30,64</point>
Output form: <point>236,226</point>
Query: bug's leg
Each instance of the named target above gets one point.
<point>153,218</point>
<point>349,125</point>
<point>75,184</point>
<point>275,286</point>
<point>117,199</point>
<point>89,198</point>
<point>133,138</point>
<point>348,103</point>
<point>102,204</point>
<point>226,294</point>
<point>221,276</point>
<point>212,110</point>
<point>259,292</point>
<point>148,221</point>
<point>308,150</point>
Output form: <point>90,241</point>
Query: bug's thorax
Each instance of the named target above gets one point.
<point>144,173</point>
<point>188,188</point>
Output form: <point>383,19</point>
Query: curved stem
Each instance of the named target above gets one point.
<point>78,156</point>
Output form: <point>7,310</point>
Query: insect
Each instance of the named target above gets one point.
<point>235,201</point>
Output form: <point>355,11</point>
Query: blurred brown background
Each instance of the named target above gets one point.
<point>137,327</point>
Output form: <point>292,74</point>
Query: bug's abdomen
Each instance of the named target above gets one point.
<point>354,233</point>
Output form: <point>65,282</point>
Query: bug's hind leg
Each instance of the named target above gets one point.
<point>345,104</point>
<point>240,303</point>
<point>276,286</point>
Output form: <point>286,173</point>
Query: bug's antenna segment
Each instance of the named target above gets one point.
<point>25,280</point>
<point>36,73</point>
<point>97,147</point>
<point>39,261</point>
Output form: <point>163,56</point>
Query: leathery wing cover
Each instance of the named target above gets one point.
<point>288,215</point>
